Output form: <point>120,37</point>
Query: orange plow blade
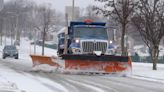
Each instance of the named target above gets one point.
<point>38,59</point>
<point>92,63</point>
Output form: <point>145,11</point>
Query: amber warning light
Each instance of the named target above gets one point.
<point>88,21</point>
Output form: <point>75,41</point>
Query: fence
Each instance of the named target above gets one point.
<point>146,59</point>
<point>52,46</point>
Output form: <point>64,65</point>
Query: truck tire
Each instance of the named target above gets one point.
<point>4,57</point>
<point>16,57</point>
<point>61,51</point>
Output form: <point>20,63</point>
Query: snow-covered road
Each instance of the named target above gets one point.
<point>19,76</point>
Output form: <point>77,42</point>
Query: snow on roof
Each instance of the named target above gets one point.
<point>61,30</point>
<point>138,46</point>
<point>138,49</point>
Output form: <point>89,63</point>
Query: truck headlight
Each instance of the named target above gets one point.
<point>77,40</point>
<point>76,50</point>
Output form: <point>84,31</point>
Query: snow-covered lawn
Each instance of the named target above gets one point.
<point>144,71</point>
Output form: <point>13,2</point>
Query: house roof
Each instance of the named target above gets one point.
<point>61,30</point>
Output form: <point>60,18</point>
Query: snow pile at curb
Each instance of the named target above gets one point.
<point>44,68</point>
<point>7,86</point>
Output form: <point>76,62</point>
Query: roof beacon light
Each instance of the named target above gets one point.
<point>88,21</point>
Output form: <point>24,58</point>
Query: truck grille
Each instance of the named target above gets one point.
<point>90,46</point>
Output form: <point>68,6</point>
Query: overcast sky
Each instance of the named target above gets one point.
<point>59,5</point>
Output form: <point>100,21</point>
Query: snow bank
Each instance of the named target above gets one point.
<point>7,86</point>
<point>144,71</point>
<point>21,80</point>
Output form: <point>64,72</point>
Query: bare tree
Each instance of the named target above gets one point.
<point>40,20</point>
<point>88,13</point>
<point>46,16</point>
<point>149,20</point>
<point>17,10</point>
<point>121,11</point>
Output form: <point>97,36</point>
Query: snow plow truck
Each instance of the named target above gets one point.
<point>85,48</point>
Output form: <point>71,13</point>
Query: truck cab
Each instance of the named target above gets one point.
<point>88,38</point>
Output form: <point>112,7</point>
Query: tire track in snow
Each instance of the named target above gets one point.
<point>91,81</point>
<point>102,86</point>
<point>148,78</point>
<point>56,85</point>
<point>78,81</point>
<point>70,86</point>
<point>87,85</point>
<point>59,79</point>
<point>64,79</point>
<point>131,83</point>
<point>49,83</point>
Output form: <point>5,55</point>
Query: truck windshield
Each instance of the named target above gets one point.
<point>90,33</point>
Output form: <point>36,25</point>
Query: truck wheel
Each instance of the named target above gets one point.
<point>4,57</point>
<point>16,57</point>
<point>61,51</point>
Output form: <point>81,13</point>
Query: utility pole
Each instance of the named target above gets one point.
<point>1,20</point>
<point>66,34</point>
<point>36,34</point>
<point>73,9</point>
<point>1,27</point>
